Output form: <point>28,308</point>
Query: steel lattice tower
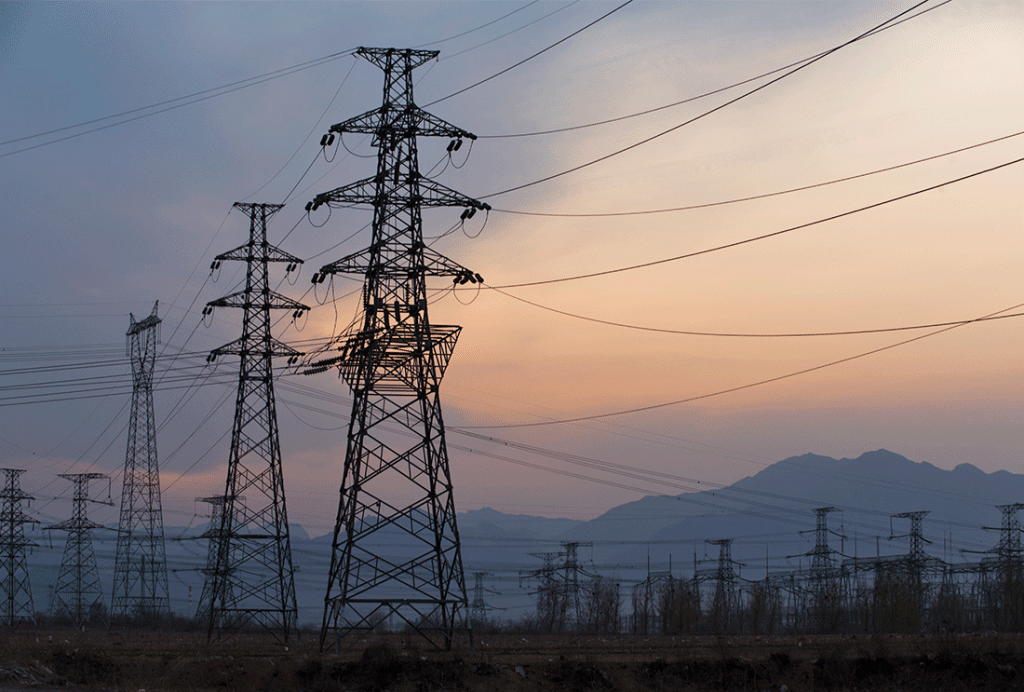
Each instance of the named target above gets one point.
<point>140,568</point>
<point>916,557</point>
<point>212,534</point>
<point>396,485</point>
<point>77,591</point>
<point>253,580</point>
<point>17,592</point>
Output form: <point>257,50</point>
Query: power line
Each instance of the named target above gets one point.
<point>728,103</point>
<point>764,236</point>
<point>766,195</point>
<point>781,335</point>
<point>531,57</point>
<point>509,33</point>
<point>691,99</point>
<point>187,100</point>
<point>482,26</point>
<point>751,385</point>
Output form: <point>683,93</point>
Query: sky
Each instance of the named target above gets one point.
<point>100,224</point>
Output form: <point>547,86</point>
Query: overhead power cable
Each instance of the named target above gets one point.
<point>691,99</point>
<point>750,385</point>
<point>766,195</point>
<point>509,33</point>
<point>482,26</point>
<point>179,102</point>
<point>764,236</point>
<point>728,103</point>
<point>778,335</point>
<point>531,57</point>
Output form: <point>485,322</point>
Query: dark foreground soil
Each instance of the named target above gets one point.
<point>133,661</point>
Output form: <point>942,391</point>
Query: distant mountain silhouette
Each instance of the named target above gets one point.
<point>770,513</point>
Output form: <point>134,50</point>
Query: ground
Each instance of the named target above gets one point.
<point>135,660</point>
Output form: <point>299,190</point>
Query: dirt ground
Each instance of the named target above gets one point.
<point>133,661</point>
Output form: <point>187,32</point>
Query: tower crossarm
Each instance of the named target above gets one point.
<point>389,123</point>
<point>269,300</point>
<point>245,253</point>
<point>367,261</point>
<point>429,193</point>
<point>248,347</point>
<point>147,323</point>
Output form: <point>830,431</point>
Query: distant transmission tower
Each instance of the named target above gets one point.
<point>77,594</point>
<point>17,603</point>
<point>396,486</point>
<point>212,534</point>
<point>479,606</point>
<point>253,580</point>
<point>140,568</point>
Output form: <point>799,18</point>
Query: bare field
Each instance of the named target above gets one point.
<point>156,661</point>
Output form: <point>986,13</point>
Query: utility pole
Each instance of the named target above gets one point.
<point>253,580</point>
<point>77,593</point>
<point>17,592</point>
<point>396,479</point>
<point>140,567</point>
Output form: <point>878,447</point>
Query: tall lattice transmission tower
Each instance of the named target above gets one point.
<point>253,580</point>
<point>140,566</point>
<point>77,594</point>
<point>396,486</point>
<point>17,603</point>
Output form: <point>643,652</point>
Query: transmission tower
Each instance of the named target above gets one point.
<point>212,534</point>
<point>17,592</point>
<point>253,580</point>
<point>396,480</point>
<point>916,557</point>
<point>77,594</point>
<point>479,606</point>
<point>140,568</point>
<point>1009,550</point>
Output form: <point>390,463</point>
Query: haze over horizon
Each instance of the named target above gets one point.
<point>106,223</point>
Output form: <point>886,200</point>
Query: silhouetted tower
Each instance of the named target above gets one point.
<point>140,568</point>
<point>724,575</point>
<point>571,570</point>
<point>212,534</point>
<point>396,485</point>
<point>17,592</point>
<point>916,557</point>
<point>77,594</point>
<point>478,607</point>
<point>253,580</point>
<point>552,598</point>
<point>821,556</point>
<point>1009,550</point>
<point>824,582</point>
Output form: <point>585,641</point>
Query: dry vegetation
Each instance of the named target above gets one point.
<point>151,661</point>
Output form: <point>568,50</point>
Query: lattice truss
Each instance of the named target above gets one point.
<point>140,566</point>
<point>15,589</point>
<point>396,554</point>
<point>77,594</point>
<point>253,580</point>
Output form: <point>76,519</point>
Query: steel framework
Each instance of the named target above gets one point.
<point>396,486</point>
<point>17,591</point>
<point>212,534</point>
<point>140,566</point>
<point>253,580</point>
<point>77,594</point>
